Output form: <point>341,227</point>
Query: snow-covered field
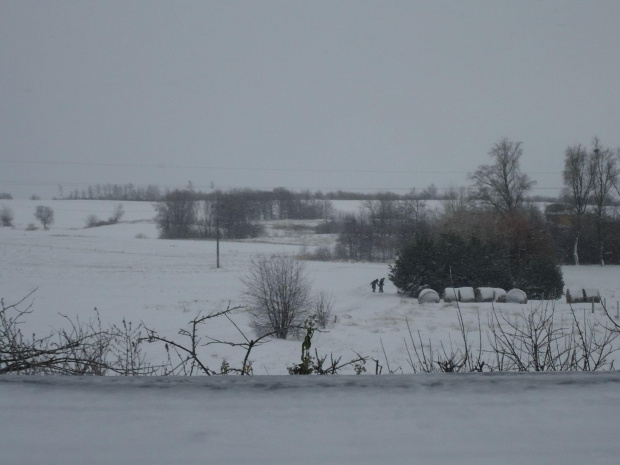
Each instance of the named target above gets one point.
<point>126,272</point>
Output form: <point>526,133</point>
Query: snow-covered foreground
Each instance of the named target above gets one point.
<point>422,419</point>
<point>125,272</point>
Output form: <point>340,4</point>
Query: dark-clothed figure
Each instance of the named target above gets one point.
<point>381,284</point>
<point>374,284</point>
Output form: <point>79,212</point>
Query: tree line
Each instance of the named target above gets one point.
<point>581,226</point>
<point>234,214</point>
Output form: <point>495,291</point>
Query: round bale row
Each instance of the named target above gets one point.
<point>469,294</point>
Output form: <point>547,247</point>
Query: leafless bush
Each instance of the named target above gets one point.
<point>278,294</point>
<point>320,254</point>
<point>322,306</point>
<point>318,364</point>
<point>533,342</point>
<point>185,356</point>
<point>449,358</point>
<point>530,342</point>
<point>117,214</point>
<point>92,221</point>
<point>86,348</point>
<point>6,216</point>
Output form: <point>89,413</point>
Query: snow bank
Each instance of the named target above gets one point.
<point>480,419</point>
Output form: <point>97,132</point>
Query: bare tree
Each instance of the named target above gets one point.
<point>502,185</point>
<point>278,294</point>
<point>176,215</point>
<point>578,181</point>
<point>605,172</point>
<point>45,215</point>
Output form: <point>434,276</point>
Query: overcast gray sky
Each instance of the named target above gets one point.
<point>306,95</point>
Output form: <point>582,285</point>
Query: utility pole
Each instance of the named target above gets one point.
<point>217,228</point>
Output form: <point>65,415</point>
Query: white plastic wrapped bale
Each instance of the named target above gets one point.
<point>592,295</point>
<point>450,294</point>
<point>500,294</point>
<point>428,296</point>
<point>467,294</point>
<point>574,295</point>
<point>485,294</point>
<point>516,296</point>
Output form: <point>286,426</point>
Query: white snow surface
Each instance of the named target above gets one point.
<point>398,419</point>
<point>568,418</point>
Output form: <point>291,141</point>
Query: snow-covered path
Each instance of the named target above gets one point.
<point>567,418</point>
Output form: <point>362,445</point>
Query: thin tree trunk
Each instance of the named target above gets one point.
<point>575,253</point>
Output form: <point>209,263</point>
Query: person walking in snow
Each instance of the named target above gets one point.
<point>374,284</point>
<point>381,284</point>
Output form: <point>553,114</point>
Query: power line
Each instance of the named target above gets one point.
<point>209,187</point>
<point>242,168</point>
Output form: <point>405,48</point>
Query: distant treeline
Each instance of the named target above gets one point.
<point>153,193</point>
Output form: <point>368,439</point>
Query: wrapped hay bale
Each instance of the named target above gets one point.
<point>500,294</point>
<point>450,294</point>
<point>574,295</point>
<point>592,295</point>
<point>466,294</point>
<point>516,296</point>
<point>428,296</point>
<point>485,294</point>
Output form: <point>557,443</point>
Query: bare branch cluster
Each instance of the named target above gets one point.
<point>530,342</point>
<point>503,185</point>
<point>86,348</point>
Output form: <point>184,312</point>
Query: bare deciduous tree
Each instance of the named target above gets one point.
<point>502,185</point>
<point>605,172</point>
<point>45,215</point>
<point>278,294</point>
<point>578,181</point>
<point>176,215</point>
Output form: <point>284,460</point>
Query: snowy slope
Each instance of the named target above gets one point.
<point>429,419</point>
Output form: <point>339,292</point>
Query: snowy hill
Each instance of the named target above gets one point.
<point>125,272</point>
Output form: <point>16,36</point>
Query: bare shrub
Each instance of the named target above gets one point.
<point>86,348</point>
<point>278,294</point>
<point>185,356</point>
<point>6,216</point>
<point>322,306</point>
<point>318,364</point>
<point>320,254</point>
<point>530,342</point>
<point>92,221</point>
<point>533,342</point>
<point>117,214</point>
